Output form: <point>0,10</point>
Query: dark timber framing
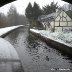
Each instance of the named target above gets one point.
<point>62,19</point>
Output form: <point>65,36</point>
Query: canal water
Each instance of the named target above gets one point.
<point>36,55</point>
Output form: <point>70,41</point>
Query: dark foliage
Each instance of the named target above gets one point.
<point>50,8</point>
<point>29,11</point>
<point>33,12</point>
<point>36,11</point>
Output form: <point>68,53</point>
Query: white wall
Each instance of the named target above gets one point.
<point>62,22</point>
<point>57,29</point>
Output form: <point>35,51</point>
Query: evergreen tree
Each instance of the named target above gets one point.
<point>46,9</point>
<point>32,13</point>
<point>50,8</point>
<point>53,6</point>
<point>28,11</point>
<point>36,11</point>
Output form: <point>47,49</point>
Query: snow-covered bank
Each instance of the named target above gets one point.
<point>7,51</point>
<point>64,38</point>
<point>5,30</point>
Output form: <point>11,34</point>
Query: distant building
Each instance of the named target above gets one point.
<point>58,21</point>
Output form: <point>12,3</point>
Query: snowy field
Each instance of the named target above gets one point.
<point>65,38</point>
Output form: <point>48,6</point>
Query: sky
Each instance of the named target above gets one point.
<point>22,4</point>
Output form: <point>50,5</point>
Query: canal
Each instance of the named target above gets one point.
<point>36,55</point>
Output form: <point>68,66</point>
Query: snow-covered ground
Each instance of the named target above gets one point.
<point>7,51</point>
<point>65,38</point>
<point>7,29</point>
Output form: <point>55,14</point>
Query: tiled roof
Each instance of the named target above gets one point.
<point>49,17</point>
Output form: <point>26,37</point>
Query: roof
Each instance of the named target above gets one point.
<point>50,17</point>
<point>47,18</point>
<point>69,13</point>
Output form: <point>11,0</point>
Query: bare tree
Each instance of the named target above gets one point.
<point>12,16</point>
<point>3,21</point>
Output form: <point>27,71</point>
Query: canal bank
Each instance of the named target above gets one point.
<point>63,47</point>
<point>9,58</point>
<point>5,31</point>
<point>36,55</point>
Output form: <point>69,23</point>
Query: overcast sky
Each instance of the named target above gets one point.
<point>22,4</point>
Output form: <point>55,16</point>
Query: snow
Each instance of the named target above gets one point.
<point>7,51</point>
<point>33,30</point>
<point>7,29</point>
<point>64,38</point>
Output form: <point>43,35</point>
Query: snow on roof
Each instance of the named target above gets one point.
<point>49,17</point>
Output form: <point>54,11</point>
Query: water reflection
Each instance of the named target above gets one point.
<point>35,55</point>
<point>12,38</point>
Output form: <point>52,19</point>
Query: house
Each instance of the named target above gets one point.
<point>58,21</point>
